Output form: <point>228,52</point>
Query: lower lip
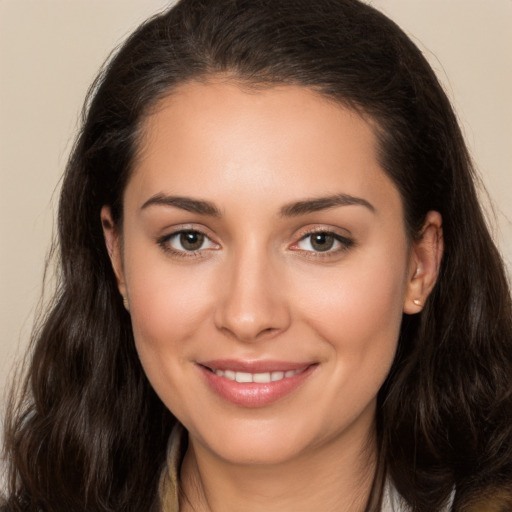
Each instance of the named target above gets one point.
<point>252,394</point>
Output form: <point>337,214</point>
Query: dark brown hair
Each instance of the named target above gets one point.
<point>88,432</point>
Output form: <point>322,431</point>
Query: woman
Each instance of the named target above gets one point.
<point>269,236</point>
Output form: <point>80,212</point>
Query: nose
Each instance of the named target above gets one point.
<point>253,303</point>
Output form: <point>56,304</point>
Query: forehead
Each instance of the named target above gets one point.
<point>220,110</point>
<point>286,141</point>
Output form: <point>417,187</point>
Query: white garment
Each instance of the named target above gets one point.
<point>392,501</point>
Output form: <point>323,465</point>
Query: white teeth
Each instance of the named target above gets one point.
<point>261,378</point>
<point>229,374</point>
<point>243,377</point>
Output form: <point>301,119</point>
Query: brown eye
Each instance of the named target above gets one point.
<point>322,241</point>
<point>186,243</point>
<point>191,240</point>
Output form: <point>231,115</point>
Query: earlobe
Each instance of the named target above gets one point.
<point>113,244</point>
<point>424,263</point>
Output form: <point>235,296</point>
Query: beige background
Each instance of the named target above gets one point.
<point>50,51</point>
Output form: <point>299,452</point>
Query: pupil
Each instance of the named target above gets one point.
<point>191,240</point>
<point>322,241</point>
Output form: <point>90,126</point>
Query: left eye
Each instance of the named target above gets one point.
<point>323,241</point>
<point>189,241</point>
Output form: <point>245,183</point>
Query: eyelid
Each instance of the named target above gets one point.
<point>164,241</point>
<point>346,241</point>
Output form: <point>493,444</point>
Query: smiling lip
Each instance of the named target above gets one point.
<point>254,383</point>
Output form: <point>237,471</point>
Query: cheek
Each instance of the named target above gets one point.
<point>358,311</point>
<point>168,307</point>
<point>358,317</point>
<point>167,303</point>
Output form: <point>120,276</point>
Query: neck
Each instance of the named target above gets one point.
<point>337,476</point>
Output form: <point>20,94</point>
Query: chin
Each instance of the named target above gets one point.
<point>267,442</point>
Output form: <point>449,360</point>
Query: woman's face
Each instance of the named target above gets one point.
<point>266,266</point>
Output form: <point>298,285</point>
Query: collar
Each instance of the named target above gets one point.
<point>168,490</point>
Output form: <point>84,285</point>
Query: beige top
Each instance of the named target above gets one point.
<point>168,489</point>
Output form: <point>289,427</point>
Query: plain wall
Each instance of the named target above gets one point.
<point>50,51</point>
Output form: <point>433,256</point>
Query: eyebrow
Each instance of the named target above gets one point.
<point>323,203</point>
<point>294,209</point>
<point>184,203</point>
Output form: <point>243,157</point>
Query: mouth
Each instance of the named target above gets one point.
<point>254,384</point>
<point>260,378</point>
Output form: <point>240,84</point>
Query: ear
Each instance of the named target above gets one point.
<point>424,263</point>
<point>113,244</point>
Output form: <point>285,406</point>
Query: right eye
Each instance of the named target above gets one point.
<point>186,242</point>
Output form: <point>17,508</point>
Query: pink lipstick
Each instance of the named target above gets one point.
<point>254,383</point>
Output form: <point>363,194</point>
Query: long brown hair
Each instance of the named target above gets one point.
<point>88,432</point>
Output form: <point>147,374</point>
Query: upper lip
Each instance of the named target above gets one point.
<point>253,366</point>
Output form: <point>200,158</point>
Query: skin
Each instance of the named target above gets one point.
<point>258,289</point>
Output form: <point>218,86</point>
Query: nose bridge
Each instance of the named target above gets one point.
<point>253,304</point>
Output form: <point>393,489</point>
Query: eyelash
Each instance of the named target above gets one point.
<point>343,242</point>
<point>165,243</point>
